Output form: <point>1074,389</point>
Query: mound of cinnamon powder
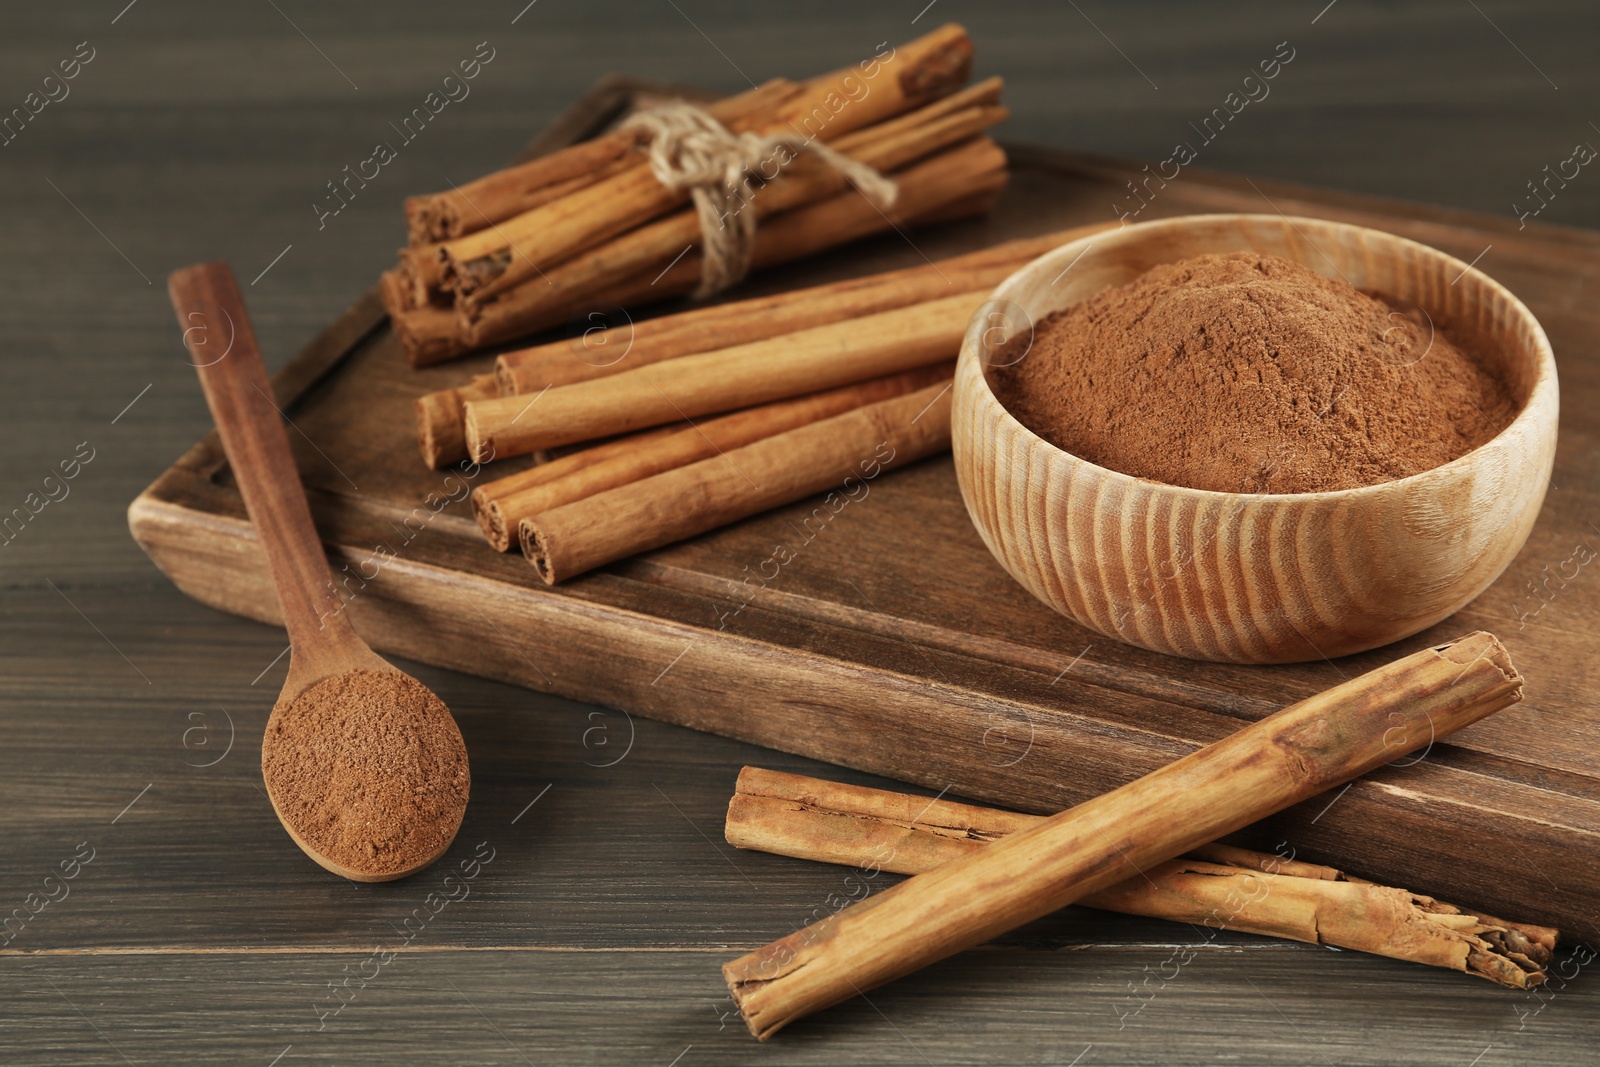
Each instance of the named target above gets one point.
<point>369,769</point>
<point>1247,373</point>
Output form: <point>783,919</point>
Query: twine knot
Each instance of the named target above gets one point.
<point>689,149</point>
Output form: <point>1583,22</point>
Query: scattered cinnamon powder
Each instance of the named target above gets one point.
<point>369,769</point>
<point>1249,373</point>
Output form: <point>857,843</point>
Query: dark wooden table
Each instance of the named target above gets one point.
<point>131,716</point>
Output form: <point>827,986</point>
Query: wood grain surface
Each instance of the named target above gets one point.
<point>204,132</point>
<point>866,644</point>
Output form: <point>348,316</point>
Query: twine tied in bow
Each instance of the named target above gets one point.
<point>689,149</point>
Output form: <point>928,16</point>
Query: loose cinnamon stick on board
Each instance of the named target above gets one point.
<point>1287,757</point>
<point>853,447</point>
<point>1214,885</point>
<point>570,462</point>
<point>602,352</point>
<point>500,506</point>
<point>441,434</point>
<point>916,72</point>
<point>573,463</point>
<point>441,430</point>
<point>947,185</point>
<point>723,380</point>
<point>443,442</point>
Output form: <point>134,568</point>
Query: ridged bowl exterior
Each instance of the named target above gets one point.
<point>1264,578</point>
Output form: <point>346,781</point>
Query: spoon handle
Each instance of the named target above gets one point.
<point>222,344</point>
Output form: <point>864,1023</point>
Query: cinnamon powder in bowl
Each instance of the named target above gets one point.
<point>1244,372</point>
<point>1253,438</point>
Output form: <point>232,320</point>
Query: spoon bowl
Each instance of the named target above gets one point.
<point>367,772</point>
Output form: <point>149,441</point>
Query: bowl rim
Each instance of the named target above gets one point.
<point>1545,381</point>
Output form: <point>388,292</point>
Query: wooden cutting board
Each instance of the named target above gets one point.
<point>894,643</point>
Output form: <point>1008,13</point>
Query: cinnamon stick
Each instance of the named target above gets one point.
<point>428,334</point>
<point>441,431</point>
<point>946,185</point>
<point>885,85</point>
<point>1287,757</point>
<point>500,506</point>
<point>830,106</point>
<point>394,288</point>
<point>723,380</point>
<point>602,352</point>
<point>569,464</point>
<point>440,216</point>
<point>418,276</point>
<point>844,454</point>
<point>1214,885</point>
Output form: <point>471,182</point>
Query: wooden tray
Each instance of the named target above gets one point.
<point>895,644</point>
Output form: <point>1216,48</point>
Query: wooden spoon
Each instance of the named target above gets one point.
<point>352,769</point>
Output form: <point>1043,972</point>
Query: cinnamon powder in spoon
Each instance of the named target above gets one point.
<point>1247,373</point>
<point>368,769</point>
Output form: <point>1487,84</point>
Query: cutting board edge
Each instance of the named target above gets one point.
<point>410,615</point>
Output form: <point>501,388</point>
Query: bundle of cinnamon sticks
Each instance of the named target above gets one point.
<point>592,226</point>
<point>709,416</point>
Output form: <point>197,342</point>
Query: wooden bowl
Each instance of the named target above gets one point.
<point>1264,578</point>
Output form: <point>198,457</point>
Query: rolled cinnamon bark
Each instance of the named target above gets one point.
<point>604,351</point>
<point>724,380</point>
<point>441,433</point>
<point>428,334</point>
<point>1214,885</point>
<point>570,464</point>
<point>500,506</point>
<point>506,193</point>
<point>844,454</point>
<point>417,277</point>
<point>394,289</point>
<point>1287,757</point>
<point>601,352</point>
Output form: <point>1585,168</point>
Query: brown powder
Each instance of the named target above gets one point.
<point>369,769</point>
<point>1249,373</point>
